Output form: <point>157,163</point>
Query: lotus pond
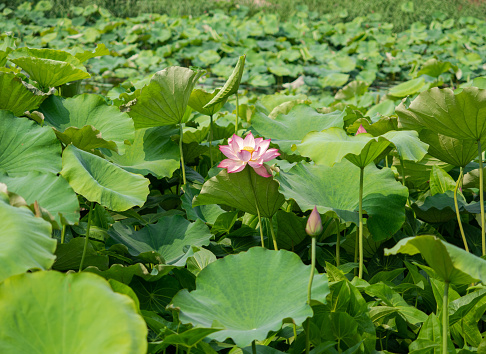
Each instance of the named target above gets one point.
<point>153,199</point>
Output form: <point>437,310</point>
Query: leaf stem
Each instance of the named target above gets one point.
<point>338,243</point>
<point>361,252</point>
<point>253,347</point>
<point>313,268</point>
<point>182,155</point>
<point>445,317</point>
<point>481,197</point>
<point>86,240</point>
<point>459,182</point>
<point>63,233</point>
<point>211,139</point>
<point>237,109</point>
<point>260,223</point>
<point>275,247</point>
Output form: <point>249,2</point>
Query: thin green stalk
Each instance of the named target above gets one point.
<point>253,347</point>
<point>361,252</point>
<point>403,178</point>
<point>182,155</point>
<point>86,240</point>
<point>309,290</point>
<point>445,317</point>
<point>63,233</point>
<point>356,251</point>
<point>260,223</point>
<point>256,205</point>
<point>211,139</point>
<point>189,350</point>
<point>313,267</point>
<point>237,112</point>
<point>459,182</point>
<point>481,197</point>
<point>295,331</point>
<point>273,235</point>
<point>338,242</point>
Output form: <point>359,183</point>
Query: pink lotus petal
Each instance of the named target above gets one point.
<point>262,171</point>
<point>249,141</point>
<point>256,164</point>
<point>228,152</point>
<point>232,165</point>
<point>264,145</point>
<point>270,155</point>
<point>237,143</point>
<point>258,141</point>
<point>361,130</point>
<point>255,155</point>
<point>244,155</point>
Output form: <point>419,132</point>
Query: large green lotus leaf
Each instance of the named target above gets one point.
<point>435,68</point>
<point>407,88</point>
<point>52,192</point>
<point>418,173</point>
<point>16,97</point>
<point>25,146</point>
<point>242,190</point>
<point>86,138</point>
<point>88,109</point>
<point>98,180</point>
<point>232,84</point>
<point>170,237</point>
<point>26,240</point>
<point>152,151</point>
<point>207,213</point>
<point>461,116</point>
<point>369,153</point>
<point>429,339</point>
<point>69,255</point>
<point>50,73</point>
<point>408,144</point>
<point>330,146</point>
<point>450,263</point>
<point>71,313</point>
<point>453,151</point>
<point>99,51</point>
<point>164,100</point>
<point>199,98</point>
<point>46,53</point>
<point>289,129</point>
<point>335,191</point>
<point>271,286</point>
<point>471,179</point>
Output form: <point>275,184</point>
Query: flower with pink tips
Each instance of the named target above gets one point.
<point>249,150</point>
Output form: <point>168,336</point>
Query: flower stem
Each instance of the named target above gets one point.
<point>361,252</point>
<point>86,240</point>
<point>182,155</point>
<point>260,223</point>
<point>211,139</point>
<point>237,110</point>
<point>313,268</point>
<point>481,196</point>
<point>459,181</point>
<point>309,291</point>
<point>445,317</point>
<point>338,242</point>
<point>273,235</point>
<point>63,233</point>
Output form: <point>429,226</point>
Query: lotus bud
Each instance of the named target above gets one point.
<point>361,129</point>
<point>314,224</point>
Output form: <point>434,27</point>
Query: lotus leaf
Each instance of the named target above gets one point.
<point>101,181</point>
<point>83,313</point>
<point>26,147</point>
<point>271,287</point>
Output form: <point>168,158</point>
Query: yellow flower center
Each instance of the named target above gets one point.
<point>249,149</point>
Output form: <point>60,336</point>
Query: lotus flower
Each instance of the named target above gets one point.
<point>361,130</point>
<point>251,151</point>
<point>314,224</point>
